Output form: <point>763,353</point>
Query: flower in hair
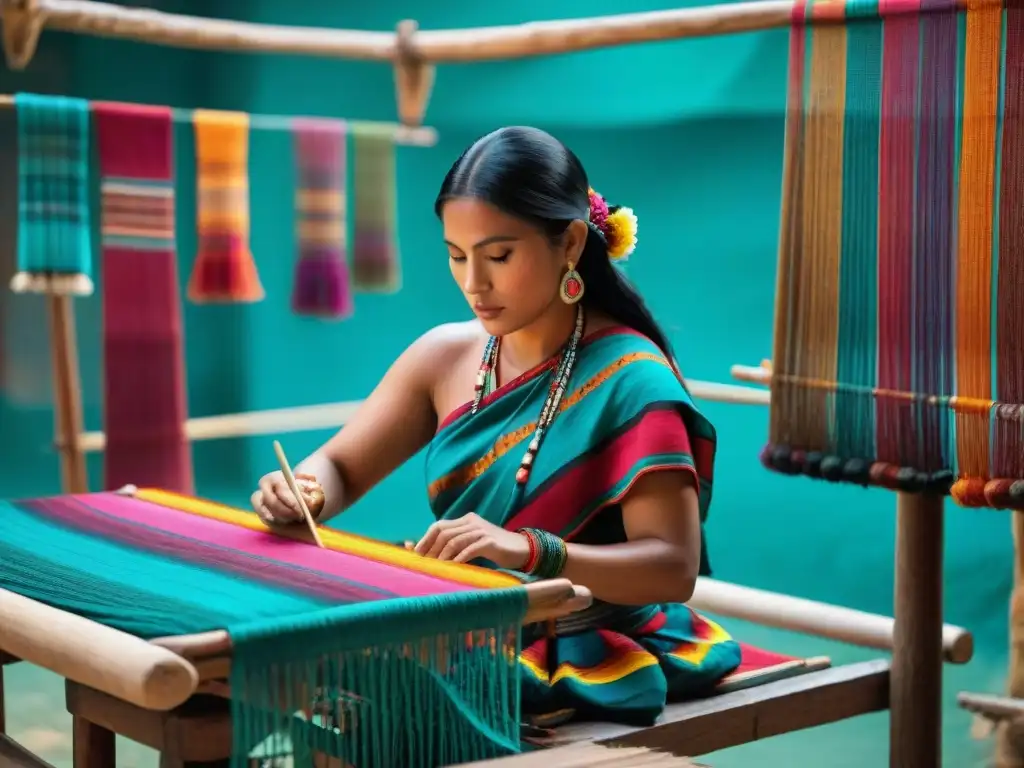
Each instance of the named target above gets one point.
<point>617,225</point>
<point>620,232</point>
<point>598,210</point>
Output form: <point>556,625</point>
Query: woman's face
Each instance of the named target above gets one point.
<point>508,270</point>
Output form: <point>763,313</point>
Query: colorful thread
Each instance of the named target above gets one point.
<point>899,328</point>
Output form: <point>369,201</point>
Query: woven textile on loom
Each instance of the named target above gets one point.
<point>321,287</point>
<point>375,259</point>
<point>54,239</point>
<point>899,327</point>
<point>417,656</point>
<point>224,269</point>
<point>144,404</point>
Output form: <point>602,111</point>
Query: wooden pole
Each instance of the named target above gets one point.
<point>541,38</point>
<point>916,679</point>
<point>915,692</point>
<point>1008,742</point>
<point>67,392</point>
<point>97,656</point>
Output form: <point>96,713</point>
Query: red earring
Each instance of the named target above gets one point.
<point>571,289</point>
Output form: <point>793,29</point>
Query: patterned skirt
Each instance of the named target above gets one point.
<point>622,664</point>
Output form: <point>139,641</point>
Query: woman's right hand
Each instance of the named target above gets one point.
<point>275,503</point>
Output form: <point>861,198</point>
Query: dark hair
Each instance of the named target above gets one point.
<point>531,175</point>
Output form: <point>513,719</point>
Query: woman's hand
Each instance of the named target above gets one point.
<point>469,537</point>
<point>275,503</point>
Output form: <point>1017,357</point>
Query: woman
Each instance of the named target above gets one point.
<point>561,439</point>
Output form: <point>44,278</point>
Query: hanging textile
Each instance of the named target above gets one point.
<point>224,270</point>
<point>143,368</point>
<point>375,260</point>
<point>54,246</point>
<point>25,361</point>
<point>321,287</point>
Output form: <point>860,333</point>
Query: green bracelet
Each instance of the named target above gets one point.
<point>550,553</point>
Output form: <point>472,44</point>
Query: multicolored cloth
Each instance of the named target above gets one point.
<point>376,638</point>
<point>145,405</point>
<point>224,270</point>
<point>54,223</point>
<point>626,413</point>
<point>375,260</point>
<point>321,287</point>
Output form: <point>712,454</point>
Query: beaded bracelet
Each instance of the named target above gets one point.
<point>547,553</point>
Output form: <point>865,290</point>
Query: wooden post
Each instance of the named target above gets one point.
<point>67,392</point>
<point>916,679</point>
<point>93,745</point>
<point>23,21</point>
<point>414,77</point>
<point>1009,745</point>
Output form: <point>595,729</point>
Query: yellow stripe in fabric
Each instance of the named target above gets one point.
<point>817,325</point>
<point>696,652</point>
<point>982,60</point>
<point>617,669</point>
<point>469,575</point>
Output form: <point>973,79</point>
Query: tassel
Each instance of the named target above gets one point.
<point>224,270</point>
<point>144,399</point>
<point>321,286</point>
<point>54,241</point>
<point>375,262</point>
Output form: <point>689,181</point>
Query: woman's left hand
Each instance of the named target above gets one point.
<point>469,537</point>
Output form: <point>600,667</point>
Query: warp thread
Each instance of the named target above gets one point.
<point>888,368</point>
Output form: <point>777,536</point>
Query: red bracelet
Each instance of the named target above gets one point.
<point>531,559</point>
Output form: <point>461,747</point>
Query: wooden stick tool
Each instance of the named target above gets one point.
<point>286,470</point>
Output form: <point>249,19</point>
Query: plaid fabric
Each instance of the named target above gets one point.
<point>54,244</point>
<point>375,260</point>
<point>321,287</point>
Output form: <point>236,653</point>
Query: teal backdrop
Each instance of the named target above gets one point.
<point>688,133</point>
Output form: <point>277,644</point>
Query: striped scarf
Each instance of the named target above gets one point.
<point>224,270</point>
<point>143,361</point>
<point>375,262</point>
<point>54,245</point>
<point>321,287</point>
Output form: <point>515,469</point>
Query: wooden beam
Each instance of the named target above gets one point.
<point>587,756</point>
<point>302,418</point>
<point>847,625</point>
<point>743,716</point>
<point>990,706</point>
<point>13,755</point>
<point>541,38</point>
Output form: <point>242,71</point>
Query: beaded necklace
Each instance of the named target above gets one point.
<point>559,384</point>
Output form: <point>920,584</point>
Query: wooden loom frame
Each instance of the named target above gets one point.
<point>142,690</point>
<point>917,637</point>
